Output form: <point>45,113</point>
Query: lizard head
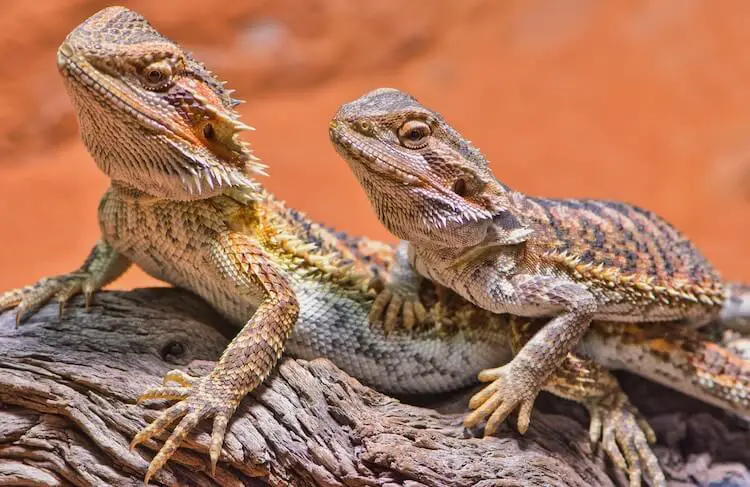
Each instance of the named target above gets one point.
<point>153,117</point>
<point>426,183</point>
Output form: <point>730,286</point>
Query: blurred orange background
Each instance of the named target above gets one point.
<point>642,101</point>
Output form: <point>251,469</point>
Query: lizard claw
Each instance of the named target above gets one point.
<point>200,398</point>
<point>625,436</point>
<point>394,302</point>
<point>30,299</point>
<point>507,391</point>
<point>179,377</point>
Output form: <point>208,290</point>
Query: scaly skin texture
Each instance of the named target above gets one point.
<point>182,206</point>
<point>572,260</point>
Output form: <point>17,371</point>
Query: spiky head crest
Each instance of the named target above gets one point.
<point>152,116</point>
<point>426,182</point>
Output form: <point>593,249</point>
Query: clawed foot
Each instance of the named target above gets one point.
<point>507,391</point>
<point>30,299</point>
<point>625,436</point>
<point>199,398</point>
<point>395,301</point>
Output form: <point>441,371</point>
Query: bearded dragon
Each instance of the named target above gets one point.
<point>185,206</point>
<point>570,260</point>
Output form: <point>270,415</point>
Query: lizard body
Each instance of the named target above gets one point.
<point>571,260</point>
<point>184,206</point>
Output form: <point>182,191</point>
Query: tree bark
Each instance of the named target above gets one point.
<point>67,413</point>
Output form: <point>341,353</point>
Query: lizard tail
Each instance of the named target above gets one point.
<point>676,356</point>
<point>735,313</point>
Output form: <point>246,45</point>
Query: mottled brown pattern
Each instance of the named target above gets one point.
<point>689,360</point>
<point>571,260</point>
<point>622,253</point>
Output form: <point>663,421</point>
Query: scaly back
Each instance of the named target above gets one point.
<point>430,186</point>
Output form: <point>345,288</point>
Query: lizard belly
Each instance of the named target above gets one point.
<point>172,248</point>
<point>333,323</point>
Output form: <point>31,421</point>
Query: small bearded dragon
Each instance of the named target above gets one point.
<point>570,260</point>
<point>184,206</point>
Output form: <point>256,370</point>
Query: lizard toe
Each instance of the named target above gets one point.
<point>201,398</point>
<point>164,392</point>
<point>483,408</point>
<point>179,377</point>
<point>499,398</point>
<point>497,417</point>
<point>653,471</point>
<point>637,452</point>
<point>631,457</point>
<point>393,311</point>
<point>161,423</point>
<point>609,445</point>
<point>625,437</point>
<point>489,375</point>
<point>420,312</point>
<point>409,315</point>
<point>11,299</point>
<point>378,307</point>
<point>34,298</point>
<point>30,299</point>
<point>185,426</point>
<point>67,291</point>
<point>217,439</point>
<point>394,305</point>
<point>524,414</point>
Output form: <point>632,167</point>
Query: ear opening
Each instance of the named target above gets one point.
<point>507,229</point>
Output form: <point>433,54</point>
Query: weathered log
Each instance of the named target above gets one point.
<point>67,413</point>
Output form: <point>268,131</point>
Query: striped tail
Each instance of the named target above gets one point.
<point>675,356</point>
<point>735,313</point>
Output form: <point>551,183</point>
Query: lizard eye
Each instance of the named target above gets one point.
<point>157,75</point>
<point>413,134</point>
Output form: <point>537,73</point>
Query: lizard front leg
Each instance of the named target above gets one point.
<point>102,266</point>
<point>245,363</point>
<point>519,381</point>
<point>398,297</point>
<point>615,423</point>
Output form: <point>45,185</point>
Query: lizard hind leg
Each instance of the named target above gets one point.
<point>620,429</point>
<point>615,423</point>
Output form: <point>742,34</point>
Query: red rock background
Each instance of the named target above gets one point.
<point>643,101</point>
